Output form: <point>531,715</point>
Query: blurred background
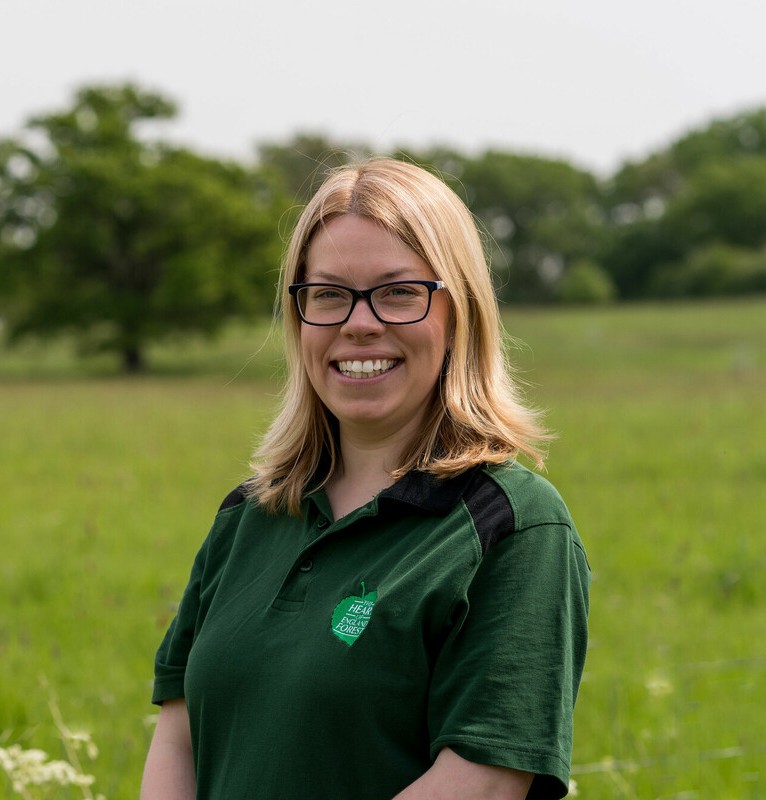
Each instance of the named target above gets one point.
<point>153,158</point>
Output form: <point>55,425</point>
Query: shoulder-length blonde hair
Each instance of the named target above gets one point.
<point>477,415</point>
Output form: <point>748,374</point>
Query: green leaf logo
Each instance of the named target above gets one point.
<point>352,615</point>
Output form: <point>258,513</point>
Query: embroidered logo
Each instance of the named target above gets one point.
<point>352,615</point>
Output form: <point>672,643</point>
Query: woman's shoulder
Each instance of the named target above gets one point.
<point>229,517</point>
<point>234,498</point>
<point>533,498</point>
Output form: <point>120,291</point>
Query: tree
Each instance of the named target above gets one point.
<point>542,216</point>
<point>672,210</point>
<point>724,201</point>
<point>643,189</point>
<point>634,252</point>
<point>302,163</point>
<point>124,241</point>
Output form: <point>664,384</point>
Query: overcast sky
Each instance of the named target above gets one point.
<point>594,81</point>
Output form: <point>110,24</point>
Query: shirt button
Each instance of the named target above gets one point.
<point>322,523</point>
<point>306,566</point>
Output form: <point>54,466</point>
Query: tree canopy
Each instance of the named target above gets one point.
<point>123,240</point>
<point>704,194</point>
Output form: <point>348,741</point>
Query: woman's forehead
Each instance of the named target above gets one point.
<point>351,246</point>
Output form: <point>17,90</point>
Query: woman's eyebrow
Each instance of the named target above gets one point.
<point>390,275</point>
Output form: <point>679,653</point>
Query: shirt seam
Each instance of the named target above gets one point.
<point>478,554</point>
<point>230,509</point>
<point>546,524</point>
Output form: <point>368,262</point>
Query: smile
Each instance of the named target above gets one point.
<point>366,369</point>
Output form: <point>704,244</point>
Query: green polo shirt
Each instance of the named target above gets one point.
<point>334,659</point>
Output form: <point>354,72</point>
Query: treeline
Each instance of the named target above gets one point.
<point>121,238</point>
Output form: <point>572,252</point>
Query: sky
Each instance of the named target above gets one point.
<point>597,82</point>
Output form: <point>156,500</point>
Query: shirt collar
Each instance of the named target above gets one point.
<point>427,492</point>
<point>415,490</point>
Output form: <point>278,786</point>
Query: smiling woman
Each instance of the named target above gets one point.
<point>382,223</point>
<point>393,606</point>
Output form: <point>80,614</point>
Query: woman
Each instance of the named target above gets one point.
<point>393,606</point>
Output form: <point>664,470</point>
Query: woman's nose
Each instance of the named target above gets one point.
<point>362,320</point>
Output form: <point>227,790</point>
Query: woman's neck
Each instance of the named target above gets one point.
<point>363,472</point>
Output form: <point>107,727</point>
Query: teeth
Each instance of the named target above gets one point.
<point>366,369</point>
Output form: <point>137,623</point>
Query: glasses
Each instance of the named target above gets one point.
<point>397,303</point>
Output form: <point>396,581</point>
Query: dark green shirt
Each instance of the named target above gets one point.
<point>334,659</point>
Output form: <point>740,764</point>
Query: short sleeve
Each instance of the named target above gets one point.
<point>506,679</point>
<point>172,655</point>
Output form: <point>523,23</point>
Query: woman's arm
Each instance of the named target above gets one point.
<point>169,770</point>
<point>454,778</point>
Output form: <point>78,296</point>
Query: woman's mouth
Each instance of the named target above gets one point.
<point>366,369</point>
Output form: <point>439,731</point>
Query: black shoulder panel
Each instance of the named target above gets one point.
<point>490,510</point>
<point>234,498</point>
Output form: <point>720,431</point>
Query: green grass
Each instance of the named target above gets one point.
<point>109,485</point>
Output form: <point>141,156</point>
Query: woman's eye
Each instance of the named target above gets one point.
<point>328,294</point>
<point>399,291</point>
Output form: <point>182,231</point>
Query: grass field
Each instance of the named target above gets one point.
<point>109,485</point>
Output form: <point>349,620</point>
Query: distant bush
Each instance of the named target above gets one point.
<point>715,270</point>
<point>586,282</point>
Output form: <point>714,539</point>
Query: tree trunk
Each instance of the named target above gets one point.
<point>132,360</point>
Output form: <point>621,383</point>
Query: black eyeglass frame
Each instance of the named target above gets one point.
<point>364,294</point>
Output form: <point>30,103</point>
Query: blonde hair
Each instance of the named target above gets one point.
<point>477,416</point>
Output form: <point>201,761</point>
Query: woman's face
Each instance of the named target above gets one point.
<point>390,401</point>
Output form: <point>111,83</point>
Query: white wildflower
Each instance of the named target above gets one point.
<point>80,739</point>
<point>659,685</point>
<point>34,768</point>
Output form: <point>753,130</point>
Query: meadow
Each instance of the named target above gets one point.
<point>109,485</point>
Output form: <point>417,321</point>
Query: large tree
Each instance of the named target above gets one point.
<point>694,209</point>
<point>122,240</point>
